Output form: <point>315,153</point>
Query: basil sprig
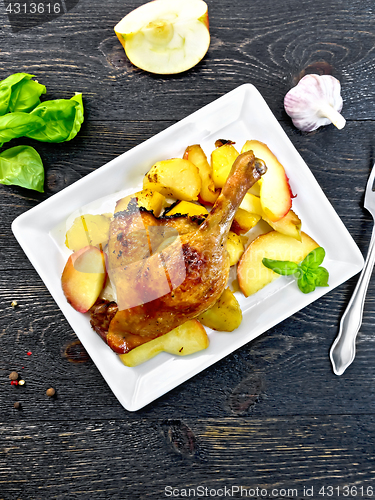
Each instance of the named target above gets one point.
<point>309,273</point>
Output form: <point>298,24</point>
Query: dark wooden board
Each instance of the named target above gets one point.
<point>284,372</point>
<point>272,414</point>
<point>252,42</point>
<point>108,459</point>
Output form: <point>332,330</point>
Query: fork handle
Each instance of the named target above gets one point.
<point>343,349</point>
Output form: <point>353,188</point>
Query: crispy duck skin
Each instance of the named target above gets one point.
<point>103,311</point>
<point>160,288</point>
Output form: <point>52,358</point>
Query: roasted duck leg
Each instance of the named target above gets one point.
<point>162,278</point>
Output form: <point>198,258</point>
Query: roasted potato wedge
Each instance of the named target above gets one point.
<point>225,315</point>
<point>147,198</point>
<point>176,178</point>
<point>186,339</point>
<point>251,203</point>
<point>235,247</point>
<point>222,159</point>
<point>244,221</point>
<point>187,208</point>
<point>196,155</point>
<point>88,230</point>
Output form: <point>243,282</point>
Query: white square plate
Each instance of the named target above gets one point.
<point>239,115</point>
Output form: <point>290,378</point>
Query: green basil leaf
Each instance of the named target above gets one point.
<point>62,118</point>
<point>13,125</point>
<point>321,276</point>
<point>78,119</point>
<point>6,88</point>
<point>310,277</point>
<point>314,258</point>
<point>309,274</point>
<point>283,267</point>
<point>305,284</point>
<point>25,96</point>
<point>22,166</point>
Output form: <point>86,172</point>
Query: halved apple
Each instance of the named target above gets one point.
<point>83,278</point>
<point>165,36</point>
<point>197,156</point>
<point>253,275</point>
<point>275,193</point>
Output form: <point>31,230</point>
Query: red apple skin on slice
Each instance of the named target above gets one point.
<point>275,192</point>
<point>83,278</point>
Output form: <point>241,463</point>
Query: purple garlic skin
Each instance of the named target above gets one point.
<point>314,102</point>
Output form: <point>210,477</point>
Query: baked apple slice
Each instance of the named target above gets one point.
<point>165,36</point>
<point>275,193</point>
<point>290,225</point>
<point>253,275</point>
<point>225,315</point>
<point>188,338</point>
<point>83,278</point>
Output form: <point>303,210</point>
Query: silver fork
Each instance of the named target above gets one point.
<point>343,349</point>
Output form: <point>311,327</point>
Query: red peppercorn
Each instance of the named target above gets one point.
<point>14,382</point>
<point>29,353</point>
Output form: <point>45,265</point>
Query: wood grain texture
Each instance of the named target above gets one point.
<point>252,42</point>
<point>276,454</point>
<point>272,414</point>
<point>284,372</point>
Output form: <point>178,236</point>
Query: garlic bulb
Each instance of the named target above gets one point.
<point>315,101</point>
